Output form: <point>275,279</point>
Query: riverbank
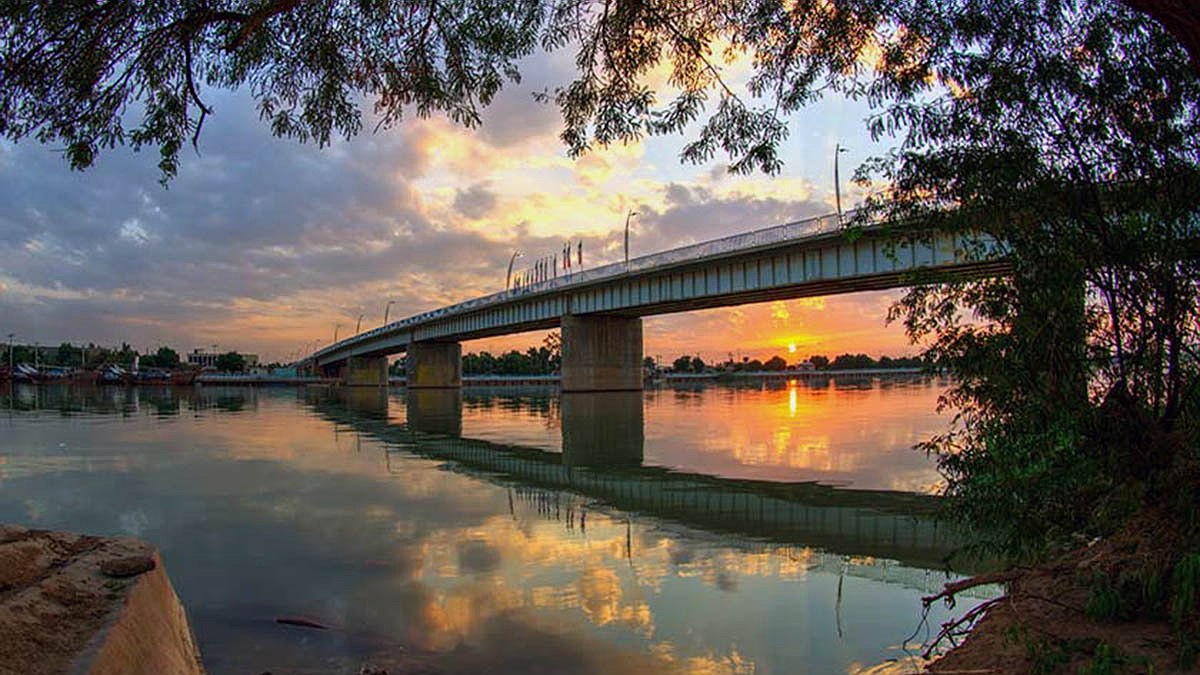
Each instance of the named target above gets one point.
<point>1078,613</point>
<point>72,603</point>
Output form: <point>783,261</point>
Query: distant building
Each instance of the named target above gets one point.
<point>204,358</point>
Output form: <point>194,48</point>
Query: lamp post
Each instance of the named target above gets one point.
<point>508,276</point>
<point>627,217</point>
<point>335,331</point>
<point>387,307</point>
<point>837,182</point>
<point>10,354</point>
<point>358,324</point>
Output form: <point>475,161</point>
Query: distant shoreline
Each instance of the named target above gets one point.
<point>547,380</point>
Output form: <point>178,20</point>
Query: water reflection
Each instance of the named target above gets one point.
<point>602,428</point>
<point>601,459</point>
<point>465,554</point>
<point>434,411</point>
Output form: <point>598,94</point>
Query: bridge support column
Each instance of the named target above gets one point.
<point>434,365</point>
<point>601,353</point>
<point>365,371</point>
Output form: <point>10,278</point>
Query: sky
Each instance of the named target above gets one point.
<point>269,246</point>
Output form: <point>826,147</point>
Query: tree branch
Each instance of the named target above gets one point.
<point>253,22</point>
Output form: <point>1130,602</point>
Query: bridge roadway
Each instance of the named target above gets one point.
<point>602,462</point>
<point>600,310</point>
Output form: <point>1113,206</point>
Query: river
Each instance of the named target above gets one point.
<point>764,528</point>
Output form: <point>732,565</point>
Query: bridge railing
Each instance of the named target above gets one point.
<point>716,247</point>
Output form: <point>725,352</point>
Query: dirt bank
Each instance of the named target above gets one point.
<point>1046,621</point>
<point>72,603</point>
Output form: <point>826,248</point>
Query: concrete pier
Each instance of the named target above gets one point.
<point>434,365</point>
<point>89,605</point>
<point>601,353</point>
<point>365,371</point>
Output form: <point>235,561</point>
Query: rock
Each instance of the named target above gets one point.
<point>128,566</point>
<point>301,621</point>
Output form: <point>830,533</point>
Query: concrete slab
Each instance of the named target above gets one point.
<point>83,605</point>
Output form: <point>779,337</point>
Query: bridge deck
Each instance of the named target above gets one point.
<point>810,257</point>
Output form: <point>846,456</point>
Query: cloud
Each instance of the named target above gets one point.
<point>263,244</point>
<point>475,202</point>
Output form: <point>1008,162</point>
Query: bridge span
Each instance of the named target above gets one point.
<point>599,310</point>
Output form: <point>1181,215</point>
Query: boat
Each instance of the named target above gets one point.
<point>25,373</point>
<point>83,376</point>
<point>111,373</point>
<point>184,377</point>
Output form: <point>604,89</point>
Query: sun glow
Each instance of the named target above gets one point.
<point>792,348</point>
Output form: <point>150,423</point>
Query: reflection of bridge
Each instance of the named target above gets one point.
<point>601,460</point>
<point>599,310</point>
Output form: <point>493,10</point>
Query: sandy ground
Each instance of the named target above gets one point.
<point>75,603</point>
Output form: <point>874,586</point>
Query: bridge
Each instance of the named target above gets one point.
<point>600,310</point>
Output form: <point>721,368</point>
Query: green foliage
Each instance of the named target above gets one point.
<point>67,355</point>
<point>775,363</point>
<point>93,75</point>
<point>231,362</point>
<point>164,357</point>
<point>682,364</point>
<point>852,362</point>
<point>819,362</point>
<point>535,361</point>
<point>90,76</point>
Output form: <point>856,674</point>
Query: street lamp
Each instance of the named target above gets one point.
<point>10,354</point>
<point>387,307</point>
<point>508,276</point>
<point>335,331</point>
<point>837,183</point>
<point>358,324</point>
<point>631,214</point>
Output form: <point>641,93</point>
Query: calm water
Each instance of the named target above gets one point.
<point>774,529</point>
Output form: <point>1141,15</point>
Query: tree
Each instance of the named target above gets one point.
<point>697,364</point>
<point>125,355</point>
<point>648,364</point>
<point>775,363</point>
<point>819,362</point>
<point>77,72</point>
<point>682,364</point>
<point>231,362</point>
<point>852,362</point>
<point>164,357</point>
<point>553,342</point>
<point>94,75</point>
<point>67,355</point>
